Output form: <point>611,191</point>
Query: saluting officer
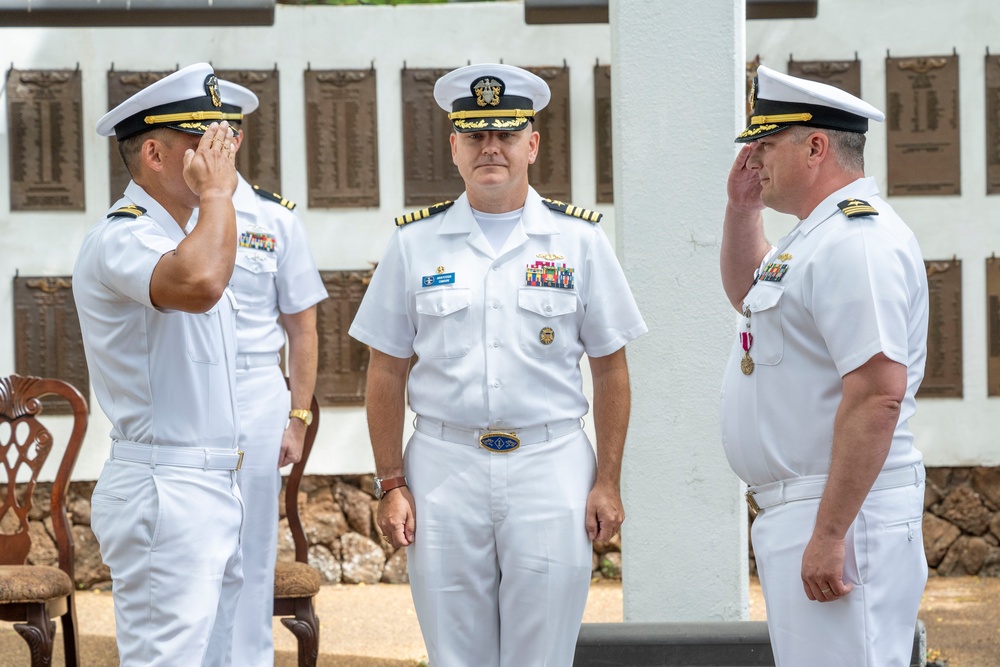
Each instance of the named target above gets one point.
<point>158,328</point>
<point>498,294</point>
<point>820,385</point>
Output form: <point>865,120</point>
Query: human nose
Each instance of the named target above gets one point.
<point>753,161</point>
<point>490,145</point>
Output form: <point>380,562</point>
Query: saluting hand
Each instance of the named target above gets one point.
<point>211,169</point>
<point>743,186</point>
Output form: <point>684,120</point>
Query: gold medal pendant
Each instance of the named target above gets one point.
<point>746,365</point>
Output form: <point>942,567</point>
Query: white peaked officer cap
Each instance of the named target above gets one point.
<point>187,100</point>
<point>779,101</point>
<point>488,97</point>
<point>237,98</point>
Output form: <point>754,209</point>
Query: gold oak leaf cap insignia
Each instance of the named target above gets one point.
<point>130,211</point>
<point>856,208</point>
<point>423,213</point>
<point>276,198</point>
<point>575,211</point>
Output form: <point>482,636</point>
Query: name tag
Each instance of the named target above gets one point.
<point>439,279</point>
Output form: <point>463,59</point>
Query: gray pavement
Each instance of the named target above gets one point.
<point>376,626</point>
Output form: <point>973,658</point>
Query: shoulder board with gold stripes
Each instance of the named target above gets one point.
<point>276,198</point>
<point>856,208</point>
<point>130,211</point>
<point>423,213</point>
<point>575,211</point>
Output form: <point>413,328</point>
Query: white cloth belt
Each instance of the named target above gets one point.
<point>804,488</point>
<point>470,436</point>
<point>257,360</point>
<point>184,457</point>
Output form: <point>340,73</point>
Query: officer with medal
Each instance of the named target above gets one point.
<point>820,384</point>
<point>498,294</point>
<point>158,325</point>
<point>277,286</point>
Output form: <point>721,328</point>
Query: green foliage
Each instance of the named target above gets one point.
<point>372,2</point>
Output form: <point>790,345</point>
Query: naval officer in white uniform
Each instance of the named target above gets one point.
<point>158,328</point>
<point>498,294</point>
<point>277,286</point>
<point>820,384</point>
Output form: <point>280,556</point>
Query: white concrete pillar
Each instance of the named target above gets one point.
<point>677,82</point>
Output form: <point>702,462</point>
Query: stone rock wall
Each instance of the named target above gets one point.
<point>961,522</point>
<point>338,516</point>
<point>961,530</point>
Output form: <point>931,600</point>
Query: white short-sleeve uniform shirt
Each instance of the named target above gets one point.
<point>478,319</point>
<point>849,288</point>
<point>162,377</point>
<point>275,272</point>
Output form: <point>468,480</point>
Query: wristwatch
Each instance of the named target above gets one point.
<point>305,415</point>
<point>384,486</point>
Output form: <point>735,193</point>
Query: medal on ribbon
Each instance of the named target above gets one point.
<point>746,338</point>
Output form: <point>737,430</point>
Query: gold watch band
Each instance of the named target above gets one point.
<point>306,416</point>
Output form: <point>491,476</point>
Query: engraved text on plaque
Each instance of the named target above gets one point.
<point>259,159</point>
<point>343,361</point>
<point>47,340</point>
<point>943,372</point>
<point>551,175</point>
<point>602,134</point>
<point>44,127</point>
<point>922,124</point>
<point>429,175</point>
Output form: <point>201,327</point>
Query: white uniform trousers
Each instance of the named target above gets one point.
<point>501,562</point>
<point>872,626</point>
<point>263,401</point>
<point>171,537</point>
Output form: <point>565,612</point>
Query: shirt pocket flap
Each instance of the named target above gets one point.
<point>546,302</point>
<point>256,261</point>
<point>443,302</point>
<point>763,296</point>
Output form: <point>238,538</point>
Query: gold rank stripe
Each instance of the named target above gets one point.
<point>497,113</point>
<point>781,118</point>
<point>191,115</point>
<point>575,211</point>
<point>422,213</point>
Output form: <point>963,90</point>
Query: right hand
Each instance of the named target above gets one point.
<point>397,517</point>
<point>743,186</point>
<point>211,169</point>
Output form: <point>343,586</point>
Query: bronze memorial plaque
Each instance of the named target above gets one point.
<point>922,125</point>
<point>47,339</point>
<point>342,153</point>
<point>993,325</point>
<point>602,134</point>
<point>121,86</point>
<point>992,124</point>
<point>44,127</point>
<point>750,73</point>
<point>844,74</point>
<point>943,372</point>
<point>259,159</point>
<point>429,175</point>
<point>551,174</point>
<point>343,361</point>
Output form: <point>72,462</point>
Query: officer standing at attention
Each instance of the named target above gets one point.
<point>498,294</point>
<point>277,286</point>
<point>158,329</point>
<point>819,387</point>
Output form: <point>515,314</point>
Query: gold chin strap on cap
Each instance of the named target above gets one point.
<point>191,115</point>
<point>781,118</point>
<point>497,113</point>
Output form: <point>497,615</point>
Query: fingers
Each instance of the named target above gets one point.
<point>826,591</point>
<point>397,518</point>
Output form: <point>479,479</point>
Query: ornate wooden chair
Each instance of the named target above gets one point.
<point>32,595</point>
<point>296,582</point>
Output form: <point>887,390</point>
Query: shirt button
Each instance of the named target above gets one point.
<point>498,422</point>
<point>496,384</point>
<point>548,309</point>
<point>496,268</point>
<point>496,304</point>
<point>496,343</point>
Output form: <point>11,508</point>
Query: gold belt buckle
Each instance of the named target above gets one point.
<point>239,463</point>
<point>501,443</point>
<point>752,502</point>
